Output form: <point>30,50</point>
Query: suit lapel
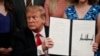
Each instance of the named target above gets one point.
<point>30,35</point>
<point>22,3</point>
<point>30,39</point>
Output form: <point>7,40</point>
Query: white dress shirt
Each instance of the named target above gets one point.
<point>43,36</point>
<point>32,2</point>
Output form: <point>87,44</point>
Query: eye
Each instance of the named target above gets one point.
<point>33,16</point>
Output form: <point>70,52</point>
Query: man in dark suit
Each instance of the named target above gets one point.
<point>19,11</point>
<point>25,41</point>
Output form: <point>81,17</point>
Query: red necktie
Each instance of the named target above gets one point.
<point>38,40</point>
<point>28,3</point>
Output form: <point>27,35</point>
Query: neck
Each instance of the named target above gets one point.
<point>84,4</point>
<point>38,30</point>
<point>2,7</point>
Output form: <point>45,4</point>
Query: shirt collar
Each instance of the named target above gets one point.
<point>42,32</point>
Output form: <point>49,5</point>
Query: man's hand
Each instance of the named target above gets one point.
<point>5,51</point>
<point>47,43</point>
<point>95,47</point>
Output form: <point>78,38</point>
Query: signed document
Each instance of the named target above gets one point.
<point>83,35</point>
<point>60,33</point>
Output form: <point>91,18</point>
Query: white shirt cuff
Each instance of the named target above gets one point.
<point>40,50</point>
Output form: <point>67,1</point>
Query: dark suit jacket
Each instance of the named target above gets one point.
<point>39,2</point>
<point>19,12</point>
<point>24,43</point>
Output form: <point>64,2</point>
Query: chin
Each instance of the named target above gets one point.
<point>32,28</point>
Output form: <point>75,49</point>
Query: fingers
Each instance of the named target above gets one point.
<point>2,50</point>
<point>9,49</point>
<point>5,51</point>
<point>47,43</point>
<point>95,47</point>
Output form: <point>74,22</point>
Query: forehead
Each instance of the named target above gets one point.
<point>33,12</point>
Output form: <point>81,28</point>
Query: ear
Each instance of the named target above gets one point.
<point>43,20</point>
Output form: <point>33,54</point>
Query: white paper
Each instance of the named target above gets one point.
<point>83,35</point>
<point>59,32</point>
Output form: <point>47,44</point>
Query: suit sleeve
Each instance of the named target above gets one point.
<point>21,48</point>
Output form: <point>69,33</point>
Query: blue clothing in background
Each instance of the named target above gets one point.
<point>92,13</point>
<point>4,23</point>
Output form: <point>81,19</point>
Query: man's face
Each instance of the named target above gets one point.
<point>34,20</point>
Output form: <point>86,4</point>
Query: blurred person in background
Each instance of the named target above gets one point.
<point>7,27</point>
<point>85,10</point>
<point>55,8</point>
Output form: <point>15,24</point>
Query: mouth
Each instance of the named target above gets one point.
<point>31,25</point>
